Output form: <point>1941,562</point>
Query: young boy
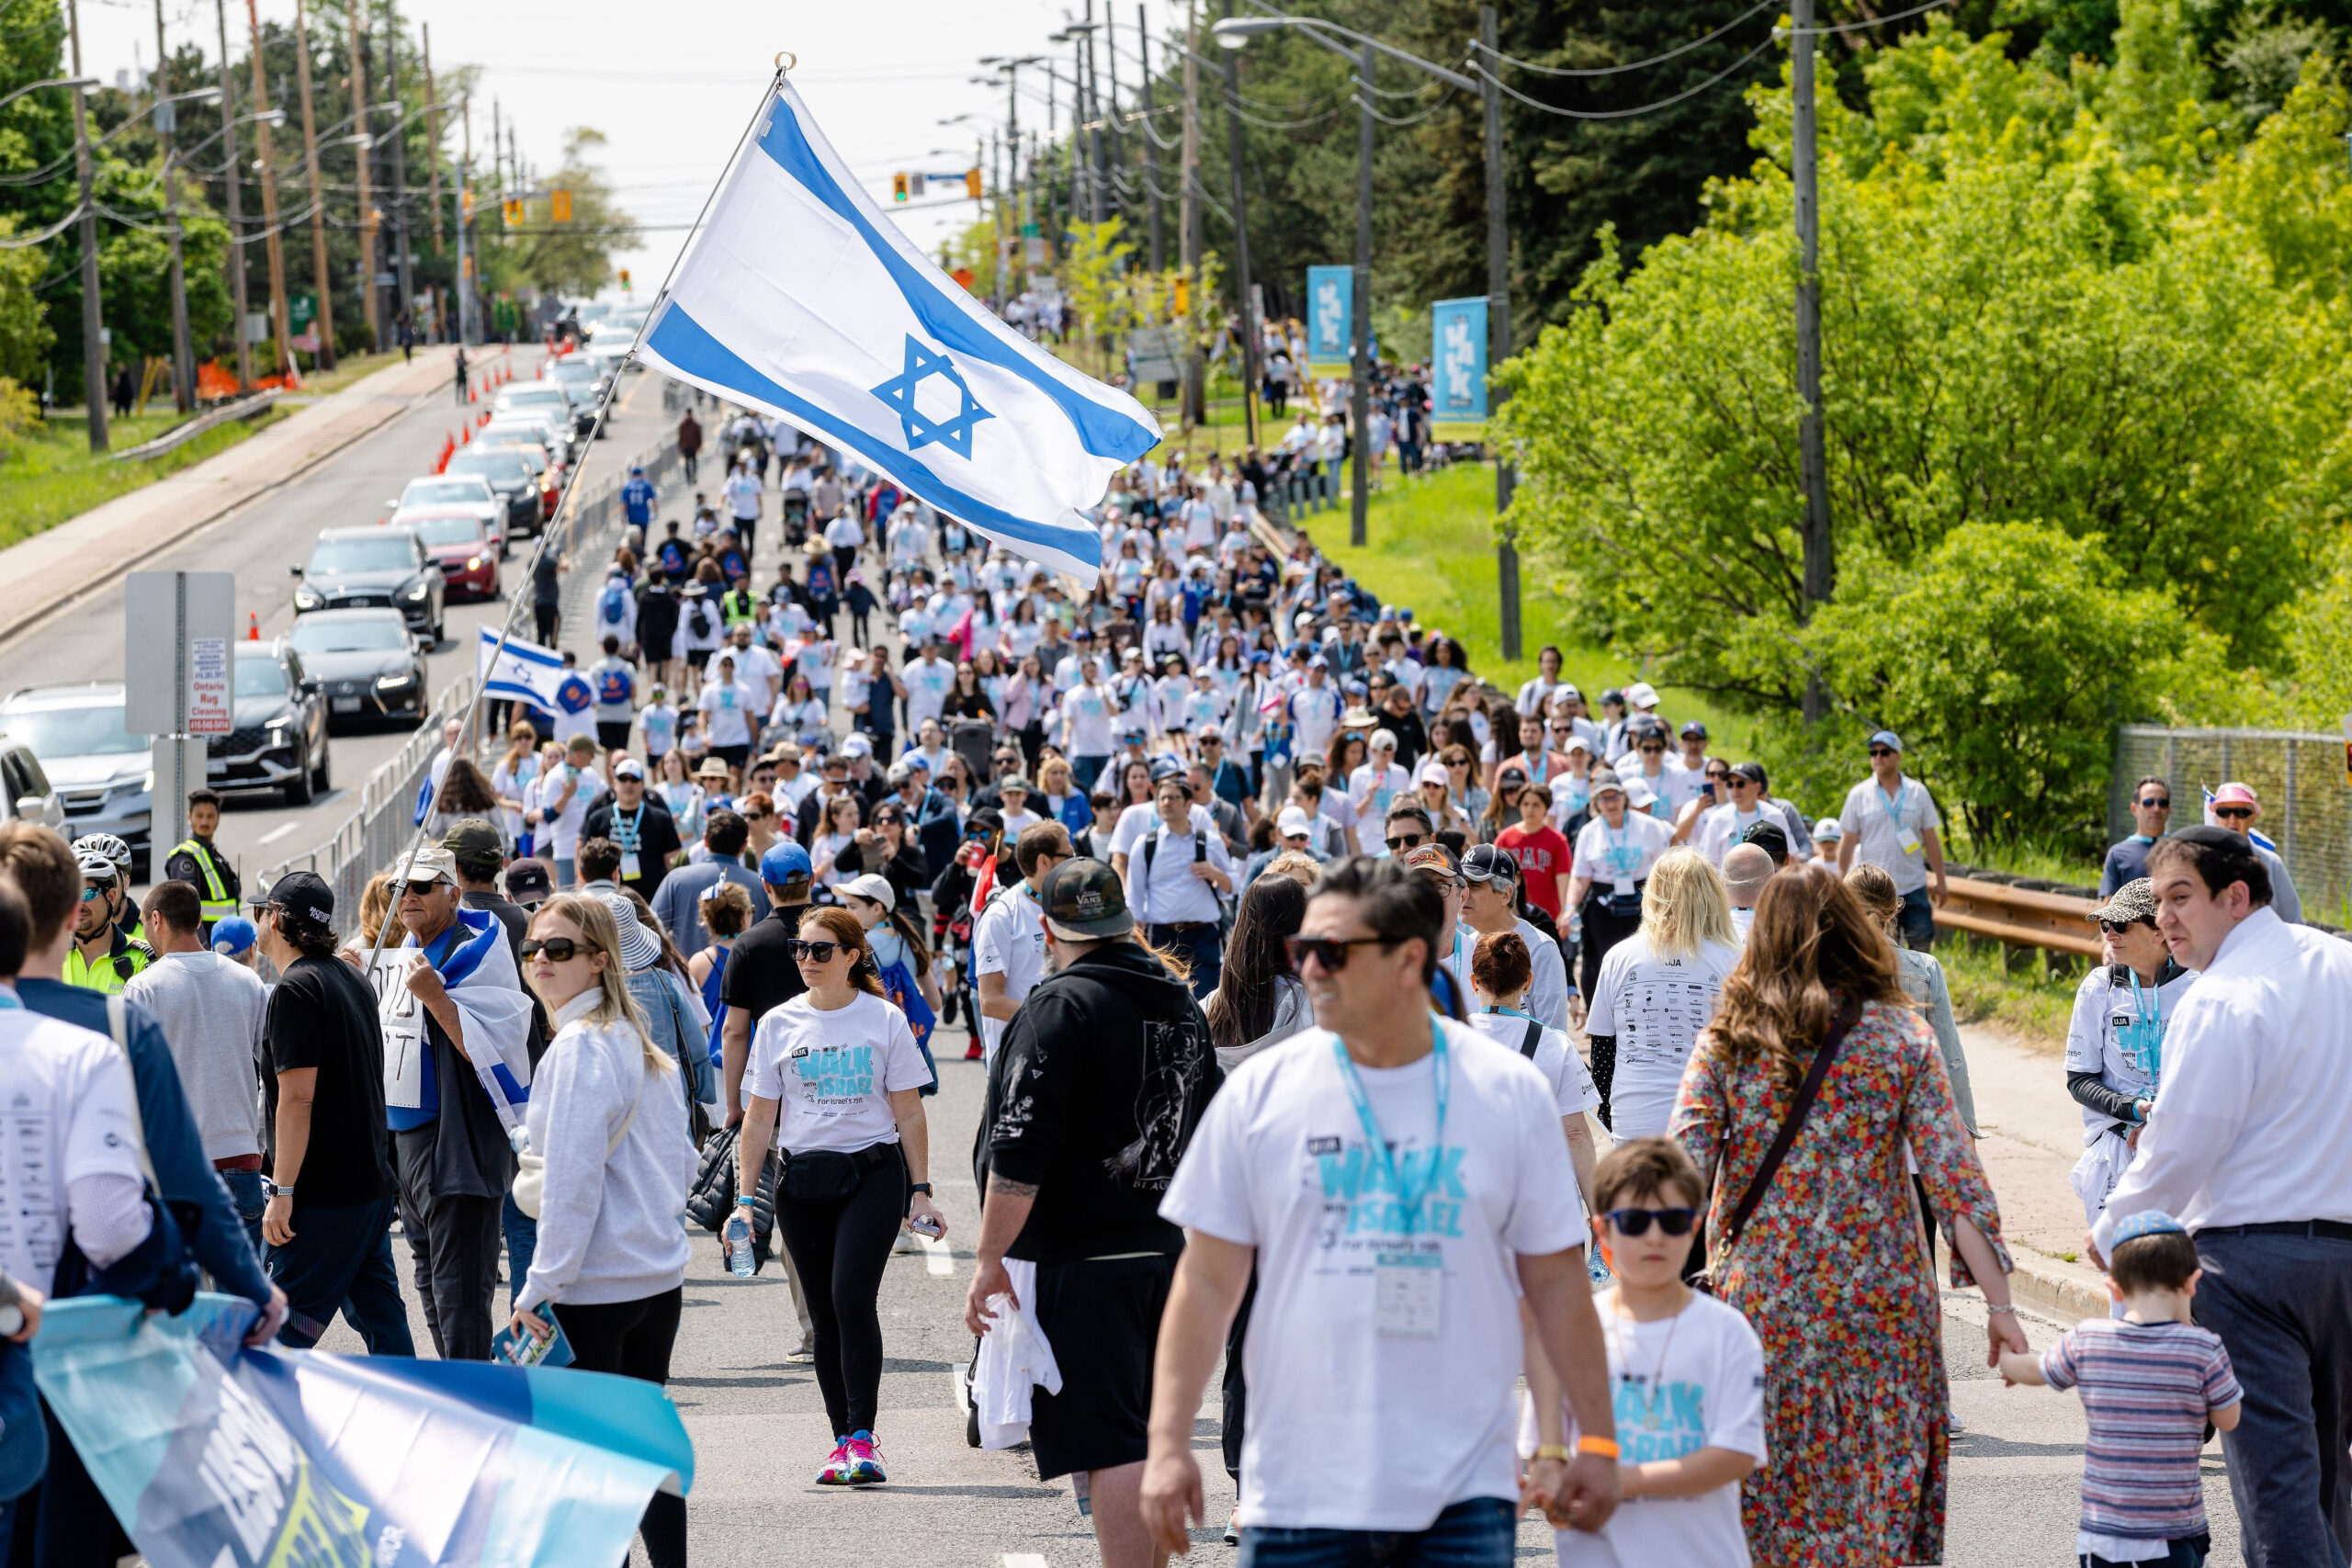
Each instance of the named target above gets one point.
<point>2149,1381</point>
<point>1687,1375</point>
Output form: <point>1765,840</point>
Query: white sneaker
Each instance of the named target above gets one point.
<point>906,1246</point>
<point>802,1353</point>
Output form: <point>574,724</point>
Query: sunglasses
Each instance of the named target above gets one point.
<point>1636,1222</point>
<point>1409,841</point>
<point>814,951</point>
<point>557,949</point>
<point>420,889</point>
<point>1654,751</point>
<point>1881,751</point>
<point>2153,802</point>
<point>2117,927</point>
<point>2234,811</point>
<point>755,816</point>
<point>1331,952</point>
<point>90,892</point>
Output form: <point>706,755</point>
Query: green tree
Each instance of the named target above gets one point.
<point>1092,278</point>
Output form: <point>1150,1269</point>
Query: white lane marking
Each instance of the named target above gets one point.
<point>1024,1560</point>
<point>277,833</point>
<point>938,1261</point>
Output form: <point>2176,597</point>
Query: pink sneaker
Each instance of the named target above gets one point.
<point>836,1471</point>
<point>865,1459</point>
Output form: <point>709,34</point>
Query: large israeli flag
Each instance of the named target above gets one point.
<point>800,298</point>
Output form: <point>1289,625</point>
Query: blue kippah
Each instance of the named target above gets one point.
<point>2147,1222</point>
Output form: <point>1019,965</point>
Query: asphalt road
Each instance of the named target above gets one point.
<point>260,541</point>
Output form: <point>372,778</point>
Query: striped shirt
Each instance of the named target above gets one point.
<point>2147,1389</point>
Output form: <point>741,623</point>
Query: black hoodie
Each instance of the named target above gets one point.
<point>1093,1097</point>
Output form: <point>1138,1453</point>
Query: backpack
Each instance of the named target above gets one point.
<point>674,558</point>
<point>699,619</point>
<point>615,601</point>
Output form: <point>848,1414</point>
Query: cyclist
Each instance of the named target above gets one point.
<point>104,956</point>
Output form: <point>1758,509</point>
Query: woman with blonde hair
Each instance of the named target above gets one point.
<point>607,1127</point>
<point>1656,991</point>
<point>1813,1028</point>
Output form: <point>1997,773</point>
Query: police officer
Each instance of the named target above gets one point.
<point>103,957</point>
<point>195,861</point>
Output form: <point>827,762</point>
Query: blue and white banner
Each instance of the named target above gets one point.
<point>215,1456</point>
<point>801,297</point>
<point>526,672</point>
<point>1331,314</point>
<point>1458,359</point>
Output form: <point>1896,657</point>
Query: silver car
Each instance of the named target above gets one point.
<point>96,776</point>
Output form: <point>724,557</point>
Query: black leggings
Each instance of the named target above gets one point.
<point>840,1247</point>
<point>632,1340</point>
<point>1603,931</point>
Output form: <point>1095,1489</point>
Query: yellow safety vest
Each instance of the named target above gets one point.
<point>110,972</point>
<point>217,901</point>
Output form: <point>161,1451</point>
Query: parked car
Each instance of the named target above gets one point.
<point>514,481</point>
<point>550,397</point>
<point>367,661</point>
<point>279,718</point>
<point>353,568</point>
<point>463,492</point>
<point>459,543</point>
<point>579,376</point>
<point>552,430</point>
<point>102,775</point>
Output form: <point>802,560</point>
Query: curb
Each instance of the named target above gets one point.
<point>392,407</point>
<point>2065,1293</point>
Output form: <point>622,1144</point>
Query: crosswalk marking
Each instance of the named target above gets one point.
<point>938,1261</point>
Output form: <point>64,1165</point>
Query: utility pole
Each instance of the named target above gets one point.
<point>1360,389</point>
<point>1094,118</point>
<point>1150,156</point>
<point>433,141</point>
<point>404,300</point>
<point>1020,190</point>
<point>271,240</point>
<point>1188,215</point>
<point>166,125</point>
<point>1116,136</point>
<point>367,215</point>
<point>93,348</point>
<point>1820,559</point>
<point>1499,338</point>
<point>236,201</point>
<point>465,219</point>
<point>1249,334</point>
<point>324,324</point>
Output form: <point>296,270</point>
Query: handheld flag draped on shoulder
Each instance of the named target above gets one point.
<point>801,297</point>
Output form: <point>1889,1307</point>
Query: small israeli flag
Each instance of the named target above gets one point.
<point>800,298</point>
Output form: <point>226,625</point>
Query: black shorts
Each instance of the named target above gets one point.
<point>699,657</point>
<point>1101,1316</point>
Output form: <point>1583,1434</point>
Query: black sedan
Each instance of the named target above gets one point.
<point>512,478</point>
<point>368,663</point>
<point>280,738</point>
<point>377,567</point>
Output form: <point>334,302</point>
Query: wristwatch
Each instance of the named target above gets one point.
<point>272,1190</point>
<point>924,1188</point>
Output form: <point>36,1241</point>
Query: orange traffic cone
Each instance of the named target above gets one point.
<point>464,435</point>
<point>253,626</point>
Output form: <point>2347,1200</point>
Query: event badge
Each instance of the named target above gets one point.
<point>1409,1293</point>
<point>1905,838</point>
<point>629,866</point>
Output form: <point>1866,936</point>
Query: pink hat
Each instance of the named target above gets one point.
<point>2235,793</point>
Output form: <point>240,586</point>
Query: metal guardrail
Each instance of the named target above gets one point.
<point>2021,919</point>
<point>376,833</point>
<point>188,430</point>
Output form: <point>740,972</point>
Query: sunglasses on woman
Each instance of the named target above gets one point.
<point>558,949</point>
<point>814,951</point>
<point>2233,813</point>
<point>2117,927</point>
<point>1331,952</point>
<point>1636,1222</point>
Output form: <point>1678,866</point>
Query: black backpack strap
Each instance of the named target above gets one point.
<point>1532,1039</point>
<point>1848,1013</point>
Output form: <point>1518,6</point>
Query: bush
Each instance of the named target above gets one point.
<point>19,414</point>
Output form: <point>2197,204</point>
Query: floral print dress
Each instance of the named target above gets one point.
<point>1833,1274</point>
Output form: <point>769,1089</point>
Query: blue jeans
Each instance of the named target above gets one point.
<point>1917,921</point>
<point>522,1245</point>
<point>1480,1533</point>
<point>1084,771</point>
<point>245,1191</point>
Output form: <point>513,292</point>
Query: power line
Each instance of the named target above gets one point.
<point>1870,21</point>
<point>1731,70</point>
<point>1677,50</point>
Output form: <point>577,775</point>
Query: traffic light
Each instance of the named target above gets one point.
<point>625,284</point>
<point>898,187</point>
<point>559,207</point>
<point>469,207</point>
<point>972,184</point>
<point>1183,293</point>
<point>514,211</point>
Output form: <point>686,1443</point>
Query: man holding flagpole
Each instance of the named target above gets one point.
<point>457,1067</point>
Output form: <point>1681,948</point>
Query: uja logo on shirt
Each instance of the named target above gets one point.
<point>1353,1181</point>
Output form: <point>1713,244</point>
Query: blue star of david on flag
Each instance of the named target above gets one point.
<point>953,433</point>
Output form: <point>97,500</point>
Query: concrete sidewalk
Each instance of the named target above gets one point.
<point>50,570</point>
<point>2033,1134</point>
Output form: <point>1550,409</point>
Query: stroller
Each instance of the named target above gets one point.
<point>973,740</point>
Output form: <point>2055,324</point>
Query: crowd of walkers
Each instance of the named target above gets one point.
<point>1388,1038</point>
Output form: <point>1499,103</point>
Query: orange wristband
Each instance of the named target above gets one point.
<point>1604,1448</point>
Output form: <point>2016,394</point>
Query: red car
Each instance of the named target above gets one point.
<point>463,546</point>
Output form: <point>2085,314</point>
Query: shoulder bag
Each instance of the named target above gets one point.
<point>1847,1015</point>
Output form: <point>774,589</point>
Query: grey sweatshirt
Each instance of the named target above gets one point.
<point>610,1226</point>
<point>211,1009</point>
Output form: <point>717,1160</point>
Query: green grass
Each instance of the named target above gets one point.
<point>52,475</point>
<point>1432,548</point>
<point>349,368</point>
<point>2032,1004</point>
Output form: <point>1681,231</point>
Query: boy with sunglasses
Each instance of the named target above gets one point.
<point>1685,1375</point>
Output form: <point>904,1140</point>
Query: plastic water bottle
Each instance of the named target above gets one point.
<point>738,1236</point>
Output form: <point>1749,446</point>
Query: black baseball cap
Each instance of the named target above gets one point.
<point>1084,902</point>
<point>301,893</point>
<point>1768,839</point>
<point>1489,862</point>
<point>528,881</point>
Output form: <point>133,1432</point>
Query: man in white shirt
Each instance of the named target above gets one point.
<point>1490,905</point>
<point>1173,875</point>
<point>1009,937</point>
<point>1891,822</point>
<point>1400,1184</point>
<point>2245,1146</point>
<point>756,667</point>
<point>560,799</point>
<point>1686,775</point>
<point>927,681</point>
<point>1314,709</point>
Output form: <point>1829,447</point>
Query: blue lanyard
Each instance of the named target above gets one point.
<point>628,839</point>
<point>1892,807</point>
<point>1509,1012</point>
<point>1442,1071</point>
<point>8,999</point>
<point>2150,1034</point>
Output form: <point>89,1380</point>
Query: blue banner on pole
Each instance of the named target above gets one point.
<point>1458,360</point>
<point>215,1456</point>
<point>1331,314</point>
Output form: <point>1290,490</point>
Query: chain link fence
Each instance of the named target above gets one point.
<point>2299,774</point>
<point>375,834</point>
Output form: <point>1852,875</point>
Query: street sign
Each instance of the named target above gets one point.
<point>158,668</point>
<point>256,326</point>
<point>1153,355</point>
<point>1458,360</point>
<point>559,207</point>
<point>209,701</point>
<point>1331,314</point>
<point>301,309</point>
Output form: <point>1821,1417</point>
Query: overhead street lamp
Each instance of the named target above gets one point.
<point>77,83</point>
<point>1235,32</point>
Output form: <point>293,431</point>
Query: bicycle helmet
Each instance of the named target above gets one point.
<point>107,846</point>
<point>94,863</point>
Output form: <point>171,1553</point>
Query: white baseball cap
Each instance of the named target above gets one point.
<point>872,887</point>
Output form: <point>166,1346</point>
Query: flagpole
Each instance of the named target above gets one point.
<point>563,513</point>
